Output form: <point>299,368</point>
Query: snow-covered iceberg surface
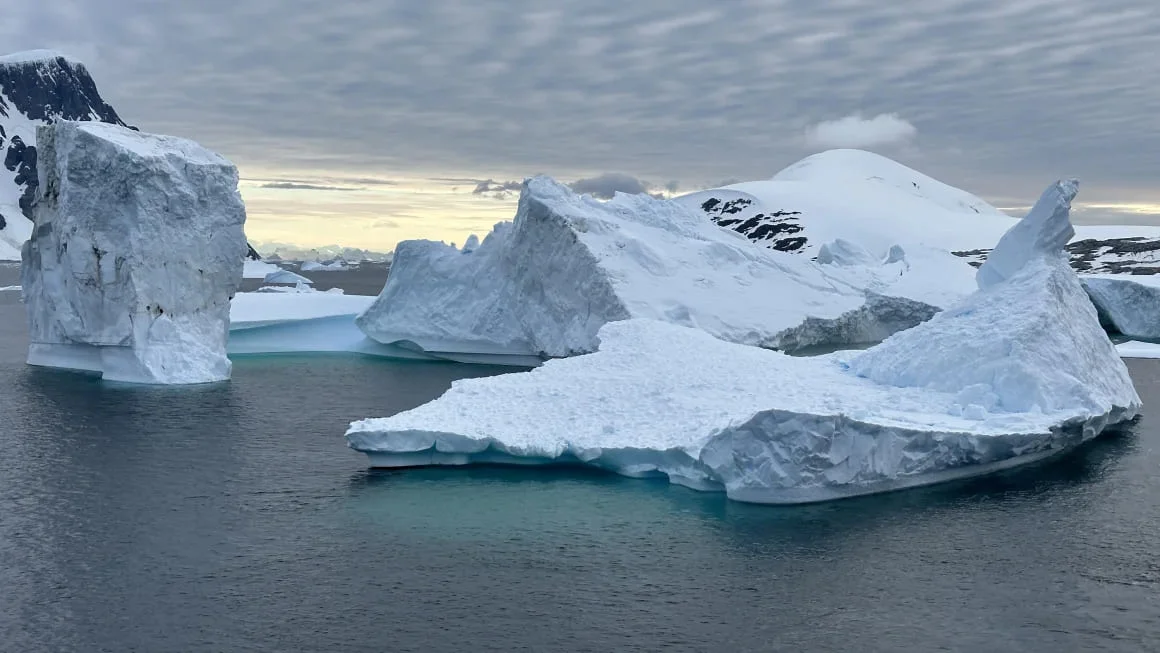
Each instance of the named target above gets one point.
<point>136,252</point>
<point>543,285</point>
<point>1019,371</point>
<point>1127,304</point>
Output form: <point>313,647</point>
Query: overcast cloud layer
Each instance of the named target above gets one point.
<point>1002,96</point>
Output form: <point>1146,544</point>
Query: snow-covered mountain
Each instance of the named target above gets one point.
<point>37,88</point>
<point>875,202</point>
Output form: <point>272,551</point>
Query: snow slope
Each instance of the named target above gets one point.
<point>662,400</point>
<point>857,196</point>
<point>543,285</point>
<point>875,202</point>
<point>137,251</point>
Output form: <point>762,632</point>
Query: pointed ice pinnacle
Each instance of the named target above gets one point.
<point>1043,232</point>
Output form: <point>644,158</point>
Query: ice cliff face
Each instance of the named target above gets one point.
<point>544,284</point>
<point>36,88</point>
<point>136,252</point>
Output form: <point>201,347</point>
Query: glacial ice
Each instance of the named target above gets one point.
<point>1020,370</point>
<point>316,266</point>
<point>136,251</point>
<point>1128,304</point>
<point>543,285</point>
<point>298,322</point>
<point>253,269</point>
<point>1042,348</point>
<point>286,276</point>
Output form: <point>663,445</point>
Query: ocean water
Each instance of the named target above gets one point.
<point>233,518</point>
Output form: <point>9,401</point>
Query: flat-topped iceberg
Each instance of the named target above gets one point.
<point>300,320</point>
<point>136,252</point>
<point>543,285</point>
<point>1018,371</point>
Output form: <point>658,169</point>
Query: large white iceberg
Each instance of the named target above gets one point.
<point>543,285</point>
<point>136,252</point>
<point>1021,370</point>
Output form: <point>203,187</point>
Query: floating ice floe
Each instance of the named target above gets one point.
<point>316,266</point>
<point>543,285</point>
<point>1018,371</point>
<point>297,321</point>
<point>136,251</point>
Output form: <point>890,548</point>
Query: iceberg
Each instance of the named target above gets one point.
<point>286,276</point>
<point>297,321</point>
<point>1127,304</point>
<point>543,285</point>
<point>1018,371</point>
<point>136,252</point>
<point>317,266</point>
<point>258,269</point>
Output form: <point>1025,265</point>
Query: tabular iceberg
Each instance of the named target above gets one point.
<point>136,252</point>
<point>1018,371</point>
<point>543,285</point>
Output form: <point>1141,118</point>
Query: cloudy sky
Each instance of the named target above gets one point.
<point>367,122</point>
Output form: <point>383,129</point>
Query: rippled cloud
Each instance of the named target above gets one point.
<point>1002,95</point>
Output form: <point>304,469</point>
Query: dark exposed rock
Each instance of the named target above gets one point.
<point>1131,255</point>
<point>768,228</point>
<point>54,89</point>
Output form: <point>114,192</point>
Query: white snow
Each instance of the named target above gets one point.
<point>258,269</point>
<point>34,56</point>
<point>137,250</point>
<point>662,400</point>
<point>869,200</point>
<point>922,274</point>
<point>1129,304</point>
<point>543,285</point>
<point>286,276</point>
<point>1136,349</point>
<point>874,202</point>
